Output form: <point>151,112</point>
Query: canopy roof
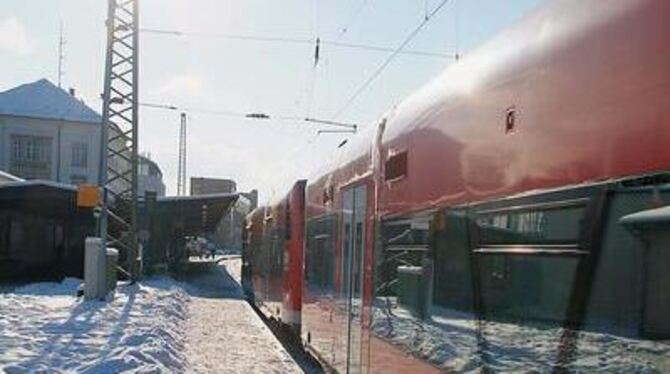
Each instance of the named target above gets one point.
<point>40,197</point>
<point>193,215</point>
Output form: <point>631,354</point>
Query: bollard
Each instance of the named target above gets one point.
<point>95,285</point>
<point>111,273</point>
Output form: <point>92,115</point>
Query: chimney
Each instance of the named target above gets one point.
<point>73,92</point>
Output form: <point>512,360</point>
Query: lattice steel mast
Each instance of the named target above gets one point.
<point>119,140</point>
<point>181,175</point>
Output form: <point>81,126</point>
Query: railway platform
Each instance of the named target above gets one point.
<point>223,332</point>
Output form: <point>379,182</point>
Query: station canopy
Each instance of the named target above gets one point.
<point>193,215</point>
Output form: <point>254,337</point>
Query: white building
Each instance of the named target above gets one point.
<point>47,133</point>
<point>150,177</point>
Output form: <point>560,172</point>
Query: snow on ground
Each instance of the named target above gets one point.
<point>160,325</point>
<point>450,340</point>
<point>45,328</point>
<point>224,334</point>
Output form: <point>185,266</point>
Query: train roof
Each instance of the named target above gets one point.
<point>572,75</point>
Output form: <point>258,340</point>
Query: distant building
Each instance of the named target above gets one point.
<point>228,233</point>
<point>208,186</point>
<point>252,196</point>
<point>47,133</point>
<point>150,177</point>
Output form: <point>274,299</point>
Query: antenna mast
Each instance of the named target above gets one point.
<point>181,177</point>
<point>61,55</point>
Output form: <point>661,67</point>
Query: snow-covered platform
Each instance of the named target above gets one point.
<point>200,325</point>
<point>224,334</point>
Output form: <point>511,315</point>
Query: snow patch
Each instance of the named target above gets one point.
<point>45,328</point>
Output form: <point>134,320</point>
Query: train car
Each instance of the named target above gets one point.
<point>477,226</point>
<point>273,258</point>
<point>512,215</point>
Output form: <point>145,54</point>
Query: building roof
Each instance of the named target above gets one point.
<point>42,99</point>
<point>41,197</point>
<point>6,177</point>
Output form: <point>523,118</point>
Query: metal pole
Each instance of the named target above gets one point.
<point>134,261</point>
<point>181,172</point>
<point>104,130</point>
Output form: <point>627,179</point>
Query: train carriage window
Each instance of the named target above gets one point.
<point>287,220</point>
<point>538,224</point>
<point>319,253</point>
<point>527,254</point>
<point>396,166</point>
<point>510,120</point>
<point>404,244</point>
<point>423,302</point>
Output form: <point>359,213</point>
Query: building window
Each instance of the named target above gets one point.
<point>16,149</point>
<point>78,179</point>
<point>80,155</point>
<point>31,156</point>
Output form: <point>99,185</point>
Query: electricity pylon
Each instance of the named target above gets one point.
<point>118,172</point>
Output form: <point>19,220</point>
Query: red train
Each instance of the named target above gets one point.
<point>509,216</point>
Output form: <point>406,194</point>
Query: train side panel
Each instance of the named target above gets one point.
<point>273,257</point>
<point>496,193</point>
<point>290,313</point>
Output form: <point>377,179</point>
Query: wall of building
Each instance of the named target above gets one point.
<point>228,233</point>
<point>208,186</point>
<point>62,136</point>
<point>150,177</point>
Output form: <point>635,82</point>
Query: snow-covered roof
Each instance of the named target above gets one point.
<point>38,182</point>
<point>6,177</point>
<point>42,99</point>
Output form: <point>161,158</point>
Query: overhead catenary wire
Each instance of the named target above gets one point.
<point>248,115</point>
<point>306,41</point>
<point>390,58</point>
<point>352,20</point>
<point>196,110</point>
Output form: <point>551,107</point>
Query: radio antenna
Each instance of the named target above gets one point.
<point>61,55</point>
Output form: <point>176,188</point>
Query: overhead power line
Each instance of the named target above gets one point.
<point>195,110</point>
<point>352,131</point>
<point>250,115</point>
<point>159,106</point>
<point>390,58</point>
<point>312,42</point>
<point>352,20</point>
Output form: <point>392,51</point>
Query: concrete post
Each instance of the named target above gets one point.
<point>95,284</point>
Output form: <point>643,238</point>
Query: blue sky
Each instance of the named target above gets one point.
<point>246,76</point>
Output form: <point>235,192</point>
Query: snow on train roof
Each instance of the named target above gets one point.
<point>42,99</point>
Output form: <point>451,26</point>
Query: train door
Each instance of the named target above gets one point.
<point>353,251</point>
